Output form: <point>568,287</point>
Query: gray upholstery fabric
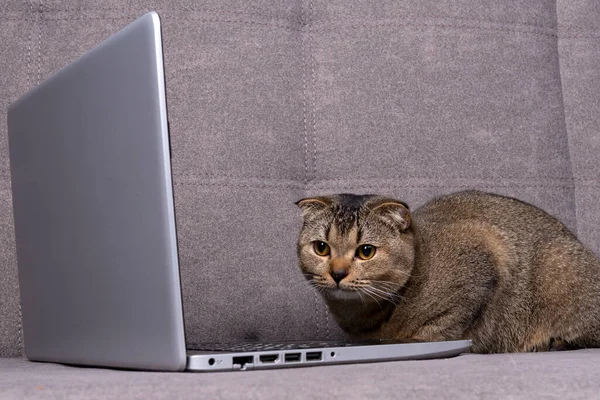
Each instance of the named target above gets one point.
<point>16,36</point>
<point>558,375</point>
<point>579,50</point>
<point>273,101</point>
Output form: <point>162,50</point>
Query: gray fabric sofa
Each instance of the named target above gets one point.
<point>270,102</point>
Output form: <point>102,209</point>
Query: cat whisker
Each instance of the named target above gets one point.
<point>362,299</point>
<point>314,284</point>
<point>385,283</point>
<point>387,289</point>
<point>390,294</point>
<point>390,287</point>
<point>395,297</point>
<point>386,295</point>
<point>319,284</point>
<point>379,293</point>
<point>310,275</point>
<point>365,290</point>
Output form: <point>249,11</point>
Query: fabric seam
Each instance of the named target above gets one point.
<point>30,8</point>
<point>50,9</point>
<point>308,64</point>
<point>564,119</point>
<point>342,26</point>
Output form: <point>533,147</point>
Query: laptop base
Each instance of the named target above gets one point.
<point>203,361</point>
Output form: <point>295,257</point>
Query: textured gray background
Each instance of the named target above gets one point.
<point>273,101</point>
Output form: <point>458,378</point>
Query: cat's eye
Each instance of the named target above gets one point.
<point>365,251</point>
<point>321,248</point>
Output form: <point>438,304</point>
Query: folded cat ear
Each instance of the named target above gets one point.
<point>312,204</point>
<point>393,211</point>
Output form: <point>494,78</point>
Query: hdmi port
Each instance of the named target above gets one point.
<point>269,358</point>
<point>313,356</point>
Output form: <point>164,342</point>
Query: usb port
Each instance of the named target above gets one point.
<point>269,358</point>
<point>292,357</point>
<point>313,356</point>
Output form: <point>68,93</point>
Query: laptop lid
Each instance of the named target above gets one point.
<point>93,209</point>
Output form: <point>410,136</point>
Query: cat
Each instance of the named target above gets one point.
<point>468,265</point>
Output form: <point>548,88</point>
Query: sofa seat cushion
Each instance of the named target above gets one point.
<point>554,375</point>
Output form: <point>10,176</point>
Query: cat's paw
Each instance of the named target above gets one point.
<point>558,344</point>
<point>538,348</point>
<point>554,344</point>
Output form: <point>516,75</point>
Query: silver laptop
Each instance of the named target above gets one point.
<point>95,225</point>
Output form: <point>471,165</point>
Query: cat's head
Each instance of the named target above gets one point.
<point>355,247</point>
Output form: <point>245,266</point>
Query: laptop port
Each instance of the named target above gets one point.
<point>292,357</point>
<point>243,360</point>
<point>314,356</point>
<point>269,358</point>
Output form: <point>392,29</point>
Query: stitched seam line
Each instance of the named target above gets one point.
<point>453,18</point>
<point>178,9</point>
<point>313,61</point>
<point>49,9</point>
<point>416,26</point>
<point>235,21</point>
<point>199,19</point>
<point>412,176</point>
<point>458,185</point>
<point>423,25</point>
<point>308,14</point>
<point>304,60</point>
<point>369,178</point>
<point>39,60</point>
<point>29,45</point>
<point>26,18</point>
<point>576,29</point>
<point>564,119</point>
<point>475,178</point>
<point>347,185</point>
<point>561,36</point>
<point>20,346</point>
<point>4,178</point>
<point>382,178</point>
<point>407,183</point>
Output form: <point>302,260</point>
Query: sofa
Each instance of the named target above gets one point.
<point>273,101</point>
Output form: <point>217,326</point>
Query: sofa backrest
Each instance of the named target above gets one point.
<point>270,102</point>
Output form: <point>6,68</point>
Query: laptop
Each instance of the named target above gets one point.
<point>95,226</point>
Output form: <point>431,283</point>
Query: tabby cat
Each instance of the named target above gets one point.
<point>469,265</point>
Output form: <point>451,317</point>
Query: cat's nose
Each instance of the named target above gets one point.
<point>338,275</point>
